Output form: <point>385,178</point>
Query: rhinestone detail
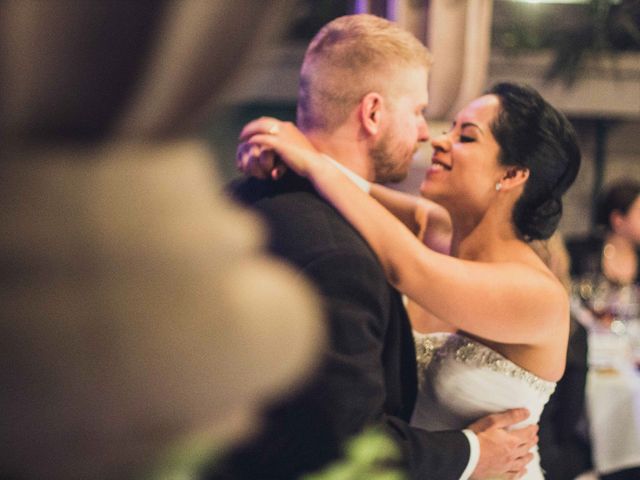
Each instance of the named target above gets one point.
<point>435,347</point>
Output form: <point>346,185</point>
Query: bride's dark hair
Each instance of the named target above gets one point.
<point>534,135</point>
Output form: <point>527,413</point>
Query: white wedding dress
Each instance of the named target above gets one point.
<point>461,380</point>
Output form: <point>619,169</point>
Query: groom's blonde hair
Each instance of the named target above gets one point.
<point>348,58</point>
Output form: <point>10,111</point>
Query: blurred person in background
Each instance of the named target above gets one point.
<point>606,265</point>
<point>606,285</point>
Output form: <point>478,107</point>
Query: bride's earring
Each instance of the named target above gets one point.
<point>498,186</point>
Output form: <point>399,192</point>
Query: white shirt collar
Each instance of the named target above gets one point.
<point>360,182</point>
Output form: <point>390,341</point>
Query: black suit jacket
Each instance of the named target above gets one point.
<point>565,449</point>
<point>368,374</point>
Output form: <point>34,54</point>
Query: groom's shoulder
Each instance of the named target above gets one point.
<point>254,192</point>
<point>291,200</point>
<point>297,217</point>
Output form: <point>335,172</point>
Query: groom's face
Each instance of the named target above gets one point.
<point>404,127</point>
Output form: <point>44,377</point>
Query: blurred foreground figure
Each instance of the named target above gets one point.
<point>142,323</point>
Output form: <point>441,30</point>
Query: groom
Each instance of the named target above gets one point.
<point>361,100</point>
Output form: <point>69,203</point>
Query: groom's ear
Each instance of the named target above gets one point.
<point>370,112</point>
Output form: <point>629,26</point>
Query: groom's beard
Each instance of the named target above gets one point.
<point>391,160</point>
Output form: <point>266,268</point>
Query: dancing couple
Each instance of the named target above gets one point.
<point>461,403</point>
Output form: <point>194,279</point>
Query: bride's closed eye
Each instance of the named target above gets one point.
<point>466,139</point>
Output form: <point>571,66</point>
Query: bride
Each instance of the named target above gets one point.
<point>500,173</point>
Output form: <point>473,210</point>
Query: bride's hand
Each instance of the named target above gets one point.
<point>269,146</point>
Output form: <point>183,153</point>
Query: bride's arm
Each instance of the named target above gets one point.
<point>405,207</point>
<point>415,212</point>
<point>427,220</point>
<point>503,302</point>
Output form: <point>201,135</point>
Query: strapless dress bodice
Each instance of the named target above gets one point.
<point>461,380</point>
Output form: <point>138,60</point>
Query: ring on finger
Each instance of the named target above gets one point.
<point>275,128</point>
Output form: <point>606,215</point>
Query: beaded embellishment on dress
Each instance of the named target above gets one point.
<point>433,347</point>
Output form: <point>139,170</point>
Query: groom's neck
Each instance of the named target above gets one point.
<point>345,147</point>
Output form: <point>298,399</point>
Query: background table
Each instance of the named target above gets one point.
<point>613,409</point>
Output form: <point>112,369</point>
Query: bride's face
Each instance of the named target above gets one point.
<point>465,166</point>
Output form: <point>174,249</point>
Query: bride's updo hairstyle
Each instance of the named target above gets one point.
<point>534,135</point>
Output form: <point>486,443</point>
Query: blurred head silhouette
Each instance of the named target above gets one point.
<point>140,314</point>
